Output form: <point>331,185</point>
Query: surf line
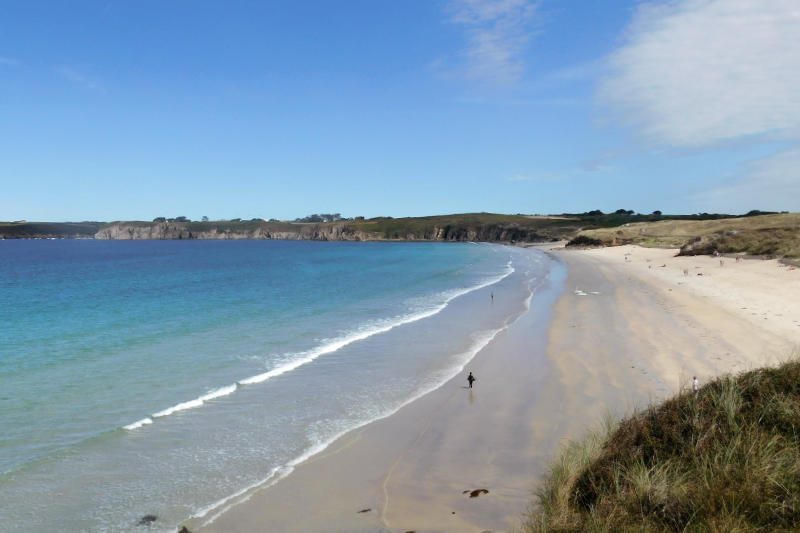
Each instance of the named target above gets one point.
<point>312,355</point>
<point>217,509</point>
<point>212,512</point>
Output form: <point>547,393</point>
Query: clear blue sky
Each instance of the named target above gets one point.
<point>131,110</point>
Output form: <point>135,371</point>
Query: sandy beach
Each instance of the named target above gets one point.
<point>623,331</point>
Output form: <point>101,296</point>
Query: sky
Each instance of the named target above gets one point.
<point>119,110</point>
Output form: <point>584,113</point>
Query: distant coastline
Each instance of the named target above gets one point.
<point>756,233</point>
<point>484,227</point>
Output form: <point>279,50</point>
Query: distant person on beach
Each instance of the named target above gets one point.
<point>470,379</point>
<point>695,385</point>
<point>492,295</point>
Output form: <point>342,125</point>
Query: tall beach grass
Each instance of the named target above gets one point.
<point>725,459</point>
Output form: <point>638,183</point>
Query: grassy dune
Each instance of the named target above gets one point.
<point>773,235</point>
<point>724,460</point>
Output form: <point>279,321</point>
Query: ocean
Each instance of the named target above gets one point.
<point>167,377</point>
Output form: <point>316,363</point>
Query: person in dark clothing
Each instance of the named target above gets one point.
<point>470,379</point>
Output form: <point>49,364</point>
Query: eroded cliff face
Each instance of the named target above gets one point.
<point>182,230</point>
<point>316,232</point>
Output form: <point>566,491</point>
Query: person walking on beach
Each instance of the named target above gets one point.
<point>695,385</point>
<point>470,379</point>
<point>492,295</point>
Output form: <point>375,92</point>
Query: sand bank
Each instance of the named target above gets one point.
<point>623,333</point>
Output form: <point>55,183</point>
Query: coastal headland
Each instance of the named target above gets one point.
<point>629,327</point>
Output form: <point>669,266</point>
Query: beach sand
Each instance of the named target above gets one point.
<point>624,332</point>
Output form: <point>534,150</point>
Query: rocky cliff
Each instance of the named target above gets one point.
<point>184,230</point>
<point>398,230</point>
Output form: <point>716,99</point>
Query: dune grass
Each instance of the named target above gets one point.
<point>724,460</point>
<point>772,235</point>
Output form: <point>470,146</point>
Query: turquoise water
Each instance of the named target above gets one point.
<point>162,377</point>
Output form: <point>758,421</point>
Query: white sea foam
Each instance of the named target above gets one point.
<point>139,423</point>
<point>299,359</point>
<point>302,358</point>
<point>197,402</point>
<point>216,505</point>
<point>219,393</point>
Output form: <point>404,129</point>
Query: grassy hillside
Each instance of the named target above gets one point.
<point>774,235</point>
<point>455,226</point>
<point>727,459</point>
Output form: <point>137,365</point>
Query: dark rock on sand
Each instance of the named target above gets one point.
<point>364,510</point>
<point>147,519</point>
<point>475,493</point>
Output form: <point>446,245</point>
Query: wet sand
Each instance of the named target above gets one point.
<point>466,460</point>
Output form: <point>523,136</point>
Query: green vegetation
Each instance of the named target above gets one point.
<point>472,226</point>
<point>239,225</point>
<point>57,230</point>
<point>771,235</point>
<point>583,240</point>
<point>726,459</point>
<point>233,225</point>
<point>619,217</point>
<point>324,217</point>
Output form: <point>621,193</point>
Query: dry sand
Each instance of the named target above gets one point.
<point>623,333</point>
<point>764,292</point>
